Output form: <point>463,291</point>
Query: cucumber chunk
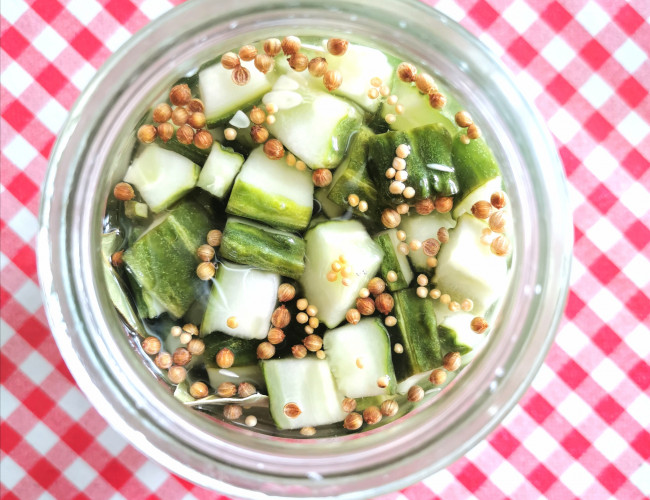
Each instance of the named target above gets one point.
<point>359,356</point>
<point>468,269</point>
<point>243,293</point>
<point>417,110</point>
<point>147,305</point>
<point>163,260</point>
<point>260,192</point>
<point>222,98</point>
<point>219,171</point>
<point>307,383</point>
<point>319,129</point>
<point>417,331</point>
<point>394,260</point>
<point>136,210</point>
<point>351,177</point>
<point>428,165</point>
<point>161,176</point>
<point>456,335</point>
<point>325,243</point>
<point>263,247</point>
<point>245,351</point>
<point>421,228</point>
<point>358,66</point>
<point>474,164</point>
<point>328,207</point>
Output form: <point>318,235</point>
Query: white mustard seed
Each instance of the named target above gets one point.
<point>398,348</point>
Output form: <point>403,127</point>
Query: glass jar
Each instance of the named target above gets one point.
<point>91,155</point>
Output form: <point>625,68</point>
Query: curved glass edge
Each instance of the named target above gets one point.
<point>53,314</point>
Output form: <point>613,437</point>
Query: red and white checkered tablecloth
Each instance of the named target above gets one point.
<point>582,430</point>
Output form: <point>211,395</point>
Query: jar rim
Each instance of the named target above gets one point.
<point>101,364</point>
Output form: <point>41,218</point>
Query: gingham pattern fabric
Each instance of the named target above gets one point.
<point>580,431</point>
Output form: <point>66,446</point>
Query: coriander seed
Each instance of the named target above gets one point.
<point>290,45</point>
<point>197,120</point>
<point>385,303</point>
<point>196,105</point>
<point>443,235</point>
<point>365,306</point>
<point>264,63</point>
<point>286,292</point>
<point>205,253</point>
<point>463,119</point>
<point>406,72</point>
<point>348,405</point>
<point>376,286</point>
<point>226,390</point>
<point>431,247</point>
<point>147,134</point>
<point>425,83</point>
<point>185,134</point>
<point>298,62</point>
<point>390,218</point>
<point>181,356</point>
<point>163,360</point>
<point>291,410</point>
<point>332,80</point>
<point>322,177</point>
<point>498,199</point>
<point>203,139</point>
<point>246,389</point>
<point>438,376</point>
<point>176,374</point>
<point>225,358</point>
<point>274,149</point>
<point>123,191</point>
<point>205,271</point>
<point>180,116</point>
<point>272,47</point>
<point>247,52</point>
<point>500,245</point>
<point>415,393</point>
<point>299,351</point>
<point>257,115</point>
<point>353,316</point>
<point>371,415</point>
<point>437,100</point>
<point>473,132</point>
<point>337,46</point>
<point>353,421</point>
<point>240,76</point>
<point>444,204</point>
<point>478,324</point>
<point>389,408</point>
<point>162,112</point>
<point>180,94</point>
<point>265,350</point>
<point>497,222</point>
<point>451,361</point>
<point>191,329</point>
<point>199,390</point>
<point>230,60</point>
<point>317,67</point>
<point>425,206</point>
<point>196,347</point>
<point>275,336</point>
<point>313,342</point>
<point>232,412</point>
<point>165,131</point>
<point>151,345</point>
<point>259,134</point>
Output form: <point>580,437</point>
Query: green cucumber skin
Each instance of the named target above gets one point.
<point>448,342</point>
<point>163,261</point>
<point>474,164</point>
<point>389,263</point>
<point>417,331</point>
<point>245,351</point>
<point>189,151</point>
<point>277,211</point>
<point>429,144</point>
<point>355,179</point>
<point>247,244</point>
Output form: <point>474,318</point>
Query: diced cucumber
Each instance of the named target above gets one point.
<point>351,177</point>
<point>222,98</point>
<point>421,228</point>
<point>245,294</point>
<point>456,335</point>
<point>147,305</point>
<point>394,260</point>
<point>428,165</point>
<point>468,269</point>
<point>236,375</point>
<point>329,208</point>
<point>260,192</point>
<point>360,357</point>
<point>260,246</point>
<point>325,244</point>
<point>245,351</point>
<point>417,331</point>
<point>474,164</point>
<point>358,66</point>
<point>219,171</point>
<point>417,110</point>
<point>163,260</point>
<point>307,383</point>
<point>161,176</point>
<point>136,210</point>
<point>319,129</point>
